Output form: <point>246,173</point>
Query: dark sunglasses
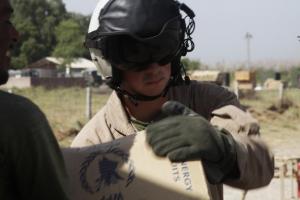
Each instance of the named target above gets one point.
<point>127,53</point>
<point>137,56</point>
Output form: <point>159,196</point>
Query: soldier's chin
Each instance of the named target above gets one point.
<point>3,76</point>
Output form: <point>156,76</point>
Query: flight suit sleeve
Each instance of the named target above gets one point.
<point>255,161</point>
<point>96,131</point>
<point>204,98</point>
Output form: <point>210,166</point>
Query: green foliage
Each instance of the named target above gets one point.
<point>263,74</point>
<point>293,75</point>
<point>64,107</point>
<point>289,76</point>
<point>41,23</point>
<point>70,38</point>
<point>81,19</point>
<point>191,64</point>
<point>35,20</point>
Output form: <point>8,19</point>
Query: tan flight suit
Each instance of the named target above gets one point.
<point>216,104</point>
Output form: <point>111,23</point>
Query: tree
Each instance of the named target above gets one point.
<point>262,74</point>
<point>191,64</point>
<point>83,20</point>
<point>35,19</point>
<point>70,38</point>
<point>46,28</point>
<point>292,76</point>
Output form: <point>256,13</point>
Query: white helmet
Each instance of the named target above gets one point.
<point>102,65</point>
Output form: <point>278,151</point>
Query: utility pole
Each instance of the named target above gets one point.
<point>248,37</point>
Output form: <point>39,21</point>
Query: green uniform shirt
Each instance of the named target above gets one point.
<point>139,125</point>
<point>31,164</point>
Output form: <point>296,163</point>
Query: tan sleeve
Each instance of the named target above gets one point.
<point>235,120</point>
<point>255,160</point>
<point>94,132</point>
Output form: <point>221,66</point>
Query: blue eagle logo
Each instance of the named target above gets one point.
<point>108,173</point>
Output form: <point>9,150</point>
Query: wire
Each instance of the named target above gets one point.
<point>188,41</point>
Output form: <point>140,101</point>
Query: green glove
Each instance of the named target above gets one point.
<point>191,137</point>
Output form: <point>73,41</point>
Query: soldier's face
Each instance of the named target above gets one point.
<point>8,35</point>
<point>151,81</point>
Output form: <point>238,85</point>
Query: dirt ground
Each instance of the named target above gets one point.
<point>271,192</point>
<point>280,129</point>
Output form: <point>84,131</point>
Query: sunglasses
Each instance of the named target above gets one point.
<point>137,56</point>
<point>127,53</point>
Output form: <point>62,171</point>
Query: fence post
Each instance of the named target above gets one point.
<point>281,176</point>
<point>88,111</point>
<point>280,94</point>
<point>298,178</point>
<point>236,89</point>
<point>292,162</point>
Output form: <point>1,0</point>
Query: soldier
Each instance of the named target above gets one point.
<point>141,42</point>
<point>31,164</point>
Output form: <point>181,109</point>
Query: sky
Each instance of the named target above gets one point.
<point>221,27</point>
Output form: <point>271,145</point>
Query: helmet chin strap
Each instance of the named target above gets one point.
<point>135,98</point>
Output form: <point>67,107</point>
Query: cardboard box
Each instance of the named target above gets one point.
<point>128,169</point>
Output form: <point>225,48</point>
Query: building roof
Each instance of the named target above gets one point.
<point>205,75</point>
<point>82,63</point>
<point>53,62</point>
<point>43,64</point>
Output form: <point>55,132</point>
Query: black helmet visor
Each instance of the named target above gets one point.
<point>129,53</point>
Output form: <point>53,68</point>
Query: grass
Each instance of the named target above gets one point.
<point>280,125</point>
<point>65,110</point>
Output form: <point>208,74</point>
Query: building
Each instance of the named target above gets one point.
<point>50,67</point>
<point>50,72</point>
<point>212,76</point>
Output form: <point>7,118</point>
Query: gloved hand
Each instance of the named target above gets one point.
<point>188,136</point>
